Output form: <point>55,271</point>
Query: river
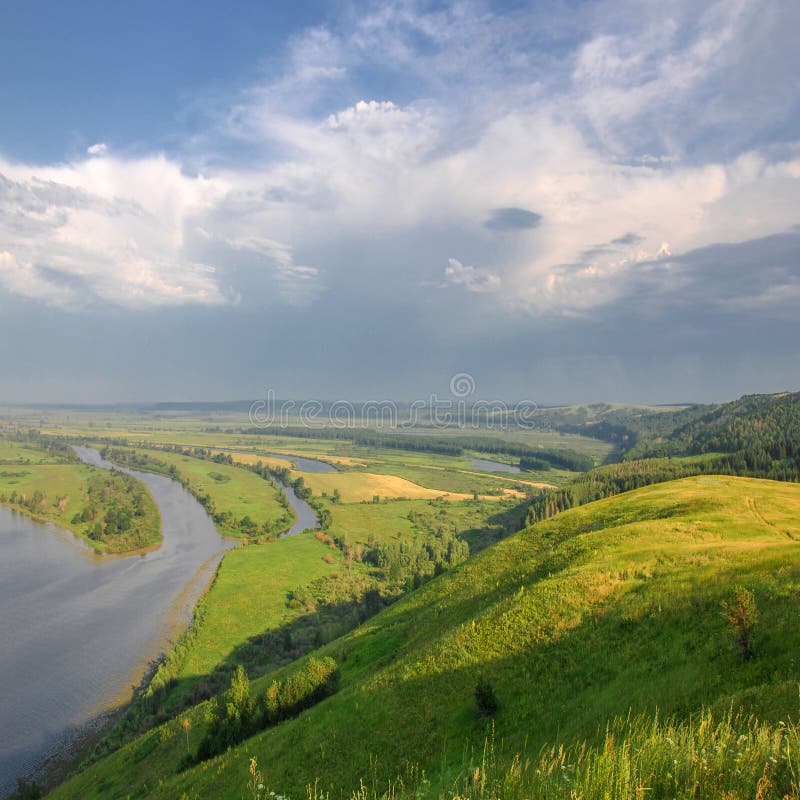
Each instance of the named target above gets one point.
<point>494,466</point>
<point>78,630</point>
<point>306,517</point>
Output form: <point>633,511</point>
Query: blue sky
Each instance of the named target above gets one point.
<point>570,201</point>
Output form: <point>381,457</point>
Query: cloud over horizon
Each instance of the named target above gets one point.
<point>531,162</point>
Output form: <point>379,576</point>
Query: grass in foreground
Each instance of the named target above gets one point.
<point>611,607</point>
<point>728,756</point>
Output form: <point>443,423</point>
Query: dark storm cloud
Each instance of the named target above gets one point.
<point>513,219</point>
<point>754,276</point>
<point>628,239</point>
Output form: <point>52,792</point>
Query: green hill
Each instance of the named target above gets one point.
<point>761,422</point>
<point>605,610</point>
<point>767,422</point>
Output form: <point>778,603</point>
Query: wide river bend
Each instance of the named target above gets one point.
<point>77,630</point>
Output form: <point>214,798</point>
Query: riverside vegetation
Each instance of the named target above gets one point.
<point>111,510</point>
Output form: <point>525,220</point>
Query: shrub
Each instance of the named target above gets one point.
<point>236,716</point>
<point>485,698</point>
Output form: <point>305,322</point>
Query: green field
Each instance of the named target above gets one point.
<point>611,607</point>
<point>17,453</point>
<point>53,480</point>
<point>478,522</point>
<point>249,599</point>
<point>241,502</point>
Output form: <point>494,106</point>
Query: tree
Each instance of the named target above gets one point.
<point>239,692</point>
<point>186,724</point>
<point>742,613</point>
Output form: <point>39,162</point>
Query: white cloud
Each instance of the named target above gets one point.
<point>22,278</point>
<point>472,278</point>
<point>111,230</point>
<point>297,284</point>
<point>584,137</point>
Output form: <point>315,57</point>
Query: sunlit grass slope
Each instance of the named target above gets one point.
<point>611,607</point>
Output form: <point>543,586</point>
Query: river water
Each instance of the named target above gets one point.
<point>304,464</point>
<point>494,466</point>
<point>77,630</point>
<point>306,516</point>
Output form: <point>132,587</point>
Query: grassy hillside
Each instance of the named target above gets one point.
<point>609,608</point>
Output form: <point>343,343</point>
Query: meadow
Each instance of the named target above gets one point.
<point>241,503</point>
<point>359,487</point>
<point>226,431</point>
<point>611,608</point>
<point>477,522</point>
<point>250,598</point>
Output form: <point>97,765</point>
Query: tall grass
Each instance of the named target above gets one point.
<point>734,757</point>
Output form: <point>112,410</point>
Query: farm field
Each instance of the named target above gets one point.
<point>358,487</point>
<point>477,522</point>
<point>197,430</point>
<point>609,608</point>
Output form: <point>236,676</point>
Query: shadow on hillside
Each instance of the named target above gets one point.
<point>497,527</point>
<point>321,623</point>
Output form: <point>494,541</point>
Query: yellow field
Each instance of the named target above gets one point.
<point>248,459</point>
<point>355,487</point>
<point>510,479</point>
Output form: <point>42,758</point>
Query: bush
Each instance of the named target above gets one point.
<point>26,790</point>
<point>485,698</point>
<point>235,716</point>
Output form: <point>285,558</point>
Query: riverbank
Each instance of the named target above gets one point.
<point>85,627</point>
<point>243,504</point>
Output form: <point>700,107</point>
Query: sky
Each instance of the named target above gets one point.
<point>568,201</point>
